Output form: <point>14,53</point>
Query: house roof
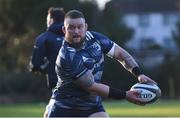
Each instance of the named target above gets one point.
<point>144,6</point>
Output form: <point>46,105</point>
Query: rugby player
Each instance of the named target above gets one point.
<point>79,67</point>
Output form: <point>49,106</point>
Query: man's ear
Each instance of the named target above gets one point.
<point>51,21</point>
<point>63,29</point>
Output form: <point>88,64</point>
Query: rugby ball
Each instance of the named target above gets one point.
<point>149,92</point>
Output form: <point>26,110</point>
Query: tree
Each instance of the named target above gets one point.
<point>176,34</point>
<point>91,12</point>
<point>21,21</point>
<point>112,25</point>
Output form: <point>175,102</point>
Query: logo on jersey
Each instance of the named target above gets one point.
<point>96,46</point>
<point>58,39</point>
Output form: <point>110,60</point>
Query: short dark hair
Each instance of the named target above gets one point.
<point>57,14</point>
<point>74,14</point>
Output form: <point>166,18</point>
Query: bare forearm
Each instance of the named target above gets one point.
<point>99,89</point>
<point>124,58</point>
<point>87,82</point>
<point>106,91</point>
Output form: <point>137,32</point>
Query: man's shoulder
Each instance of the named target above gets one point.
<point>43,35</point>
<point>69,55</point>
<point>99,37</point>
<point>48,36</point>
<point>105,43</point>
<point>94,34</point>
<point>69,61</point>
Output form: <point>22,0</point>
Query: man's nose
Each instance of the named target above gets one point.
<point>76,30</point>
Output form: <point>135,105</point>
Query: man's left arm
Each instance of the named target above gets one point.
<point>39,62</point>
<point>128,63</point>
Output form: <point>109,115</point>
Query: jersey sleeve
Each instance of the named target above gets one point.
<point>105,42</point>
<point>38,54</point>
<point>70,65</point>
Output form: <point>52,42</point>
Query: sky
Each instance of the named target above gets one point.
<point>101,3</point>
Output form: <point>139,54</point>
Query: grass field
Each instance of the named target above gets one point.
<point>114,108</point>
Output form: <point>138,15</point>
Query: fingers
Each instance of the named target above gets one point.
<point>141,80</point>
<point>137,99</point>
<point>134,97</point>
<point>145,79</point>
<point>154,82</point>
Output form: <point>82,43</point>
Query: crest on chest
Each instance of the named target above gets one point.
<point>94,51</point>
<point>92,54</point>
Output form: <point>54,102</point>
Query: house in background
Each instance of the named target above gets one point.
<point>152,21</point>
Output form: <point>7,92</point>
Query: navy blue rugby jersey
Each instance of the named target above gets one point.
<point>72,64</point>
<point>47,45</point>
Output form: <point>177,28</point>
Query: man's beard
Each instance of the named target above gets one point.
<point>77,45</point>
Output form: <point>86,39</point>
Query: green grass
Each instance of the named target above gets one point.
<point>22,110</point>
<point>158,109</point>
<point>114,108</point>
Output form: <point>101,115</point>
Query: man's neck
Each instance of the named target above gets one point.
<point>77,46</point>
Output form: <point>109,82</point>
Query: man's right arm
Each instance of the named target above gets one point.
<point>71,65</point>
<point>87,82</point>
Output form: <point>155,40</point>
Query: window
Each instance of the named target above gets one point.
<point>143,20</point>
<point>169,43</point>
<point>149,44</point>
<point>166,19</point>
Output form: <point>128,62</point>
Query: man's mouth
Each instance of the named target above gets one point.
<point>76,36</point>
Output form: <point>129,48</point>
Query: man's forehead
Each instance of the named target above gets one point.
<point>76,21</point>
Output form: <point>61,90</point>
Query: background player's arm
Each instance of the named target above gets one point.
<point>38,62</point>
<point>87,82</point>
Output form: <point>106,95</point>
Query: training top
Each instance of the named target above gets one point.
<point>72,63</point>
<point>47,46</point>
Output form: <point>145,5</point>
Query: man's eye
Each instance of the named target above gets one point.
<point>81,26</point>
<point>71,28</point>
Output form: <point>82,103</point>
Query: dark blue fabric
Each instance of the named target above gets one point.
<point>105,42</point>
<point>57,111</point>
<point>71,64</point>
<point>47,45</point>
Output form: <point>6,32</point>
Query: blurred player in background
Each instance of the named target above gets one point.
<point>79,67</point>
<point>47,46</point>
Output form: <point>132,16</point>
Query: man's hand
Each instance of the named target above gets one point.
<point>144,79</point>
<point>132,96</point>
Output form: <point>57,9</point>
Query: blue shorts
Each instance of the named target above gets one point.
<point>57,111</point>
